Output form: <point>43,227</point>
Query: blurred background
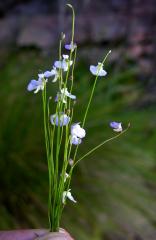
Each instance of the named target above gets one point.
<point>116,186</point>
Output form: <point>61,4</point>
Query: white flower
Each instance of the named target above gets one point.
<point>63,64</point>
<point>59,119</point>
<point>117,127</point>
<point>35,85</point>
<point>70,46</point>
<point>63,95</point>
<point>98,70</point>
<point>67,194</point>
<point>77,133</point>
<point>66,176</point>
<point>77,130</point>
<point>64,91</point>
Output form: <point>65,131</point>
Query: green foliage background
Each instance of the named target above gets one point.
<point>115,187</point>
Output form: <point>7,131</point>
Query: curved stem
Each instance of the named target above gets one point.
<point>100,145</point>
<point>89,102</point>
<point>73,22</point>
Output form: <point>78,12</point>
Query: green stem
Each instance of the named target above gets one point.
<point>73,22</point>
<point>100,145</point>
<point>93,89</point>
<point>46,131</point>
<point>91,151</point>
<point>90,100</point>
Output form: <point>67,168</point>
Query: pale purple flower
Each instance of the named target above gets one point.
<point>63,64</point>
<point>77,133</point>
<point>60,119</point>
<point>70,46</point>
<point>75,140</point>
<point>117,127</point>
<point>77,130</point>
<point>35,85</point>
<point>98,70</point>
<point>67,194</point>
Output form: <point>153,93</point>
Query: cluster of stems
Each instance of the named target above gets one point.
<point>59,149</point>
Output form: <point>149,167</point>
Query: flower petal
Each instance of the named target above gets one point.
<point>48,74</point>
<point>75,140</point>
<point>32,85</point>
<point>72,96</point>
<point>93,69</point>
<point>70,46</point>
<point>41,75</point>
<point>35,85</point>
<point>66,176</point>
<point>65,56</point>
<point>58,64</point>
<point>117,126</point>
<point>77,131</point>
<point>64,93</point>
<point>67,194</point>
<point>98,70</point>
